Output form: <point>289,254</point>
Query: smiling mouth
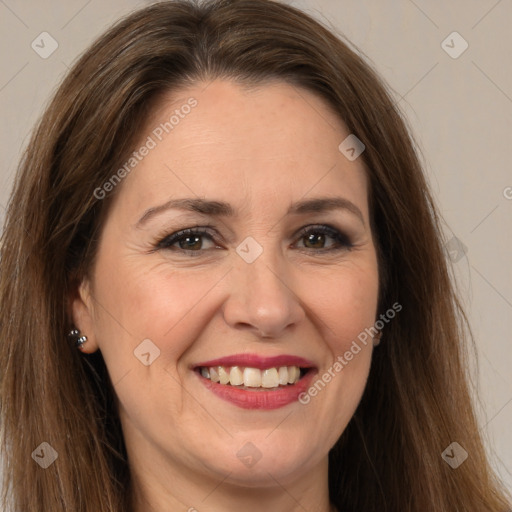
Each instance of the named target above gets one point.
<point>253,379</point>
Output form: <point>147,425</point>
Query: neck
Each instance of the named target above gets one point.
<point>159,492</point>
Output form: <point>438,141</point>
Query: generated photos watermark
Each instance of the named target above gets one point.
<point>152,141</point>
<point>343,360</point>
<point>454,455</point>
<point>45,455</point>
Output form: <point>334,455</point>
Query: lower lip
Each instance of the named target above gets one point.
<point>247,399</point>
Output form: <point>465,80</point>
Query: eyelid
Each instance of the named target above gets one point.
<point>168,240</point>
<point>341,239</point>
<point>336,234</point>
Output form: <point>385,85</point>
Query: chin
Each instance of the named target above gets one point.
<point>260,463</point>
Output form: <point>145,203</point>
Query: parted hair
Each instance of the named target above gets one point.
<point>418,396</point>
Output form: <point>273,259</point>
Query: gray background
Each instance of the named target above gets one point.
<point>460,110</point>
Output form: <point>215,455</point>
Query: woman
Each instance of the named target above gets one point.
<point>223,284</point>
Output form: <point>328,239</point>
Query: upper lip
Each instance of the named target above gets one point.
<point>258,361</point>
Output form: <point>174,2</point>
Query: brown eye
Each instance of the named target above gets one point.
<point>314,241</point>
<point>190,239</point>
<point>323,238</point>
<point>191,243</point>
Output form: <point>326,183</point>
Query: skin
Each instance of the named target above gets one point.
<point>259,150</point>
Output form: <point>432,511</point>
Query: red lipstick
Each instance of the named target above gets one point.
<point>259,398</point>
<point>257,361</point>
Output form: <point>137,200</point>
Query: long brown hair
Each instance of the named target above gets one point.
<point>417,400</point>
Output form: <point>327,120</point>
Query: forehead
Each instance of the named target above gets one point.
<point>223,141</point>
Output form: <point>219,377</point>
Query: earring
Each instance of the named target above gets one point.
<point>77,338</point>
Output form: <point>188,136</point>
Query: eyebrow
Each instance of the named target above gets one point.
<point>222,209</point>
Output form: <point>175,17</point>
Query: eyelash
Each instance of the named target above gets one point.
<point>342,242</point>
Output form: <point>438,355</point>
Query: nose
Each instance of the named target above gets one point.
<point>262,298</point>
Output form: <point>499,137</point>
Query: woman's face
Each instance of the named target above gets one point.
<point>277,272</point>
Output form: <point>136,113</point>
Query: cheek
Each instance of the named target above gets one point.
<point>352,314</point>
<point>139,302</point>
<point>345,306</point>
<point>345,303</point>
<point>149,310</point>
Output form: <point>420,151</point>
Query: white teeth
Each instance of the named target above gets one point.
<point>214,374</point>
<point>283,375</point>
<point>223,375</point>
<point>293,374</point>
<point>236,377</point>
<point>252,377</point>
<point>270,378</point>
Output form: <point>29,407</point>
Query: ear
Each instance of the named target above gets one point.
<point>82,312</point>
